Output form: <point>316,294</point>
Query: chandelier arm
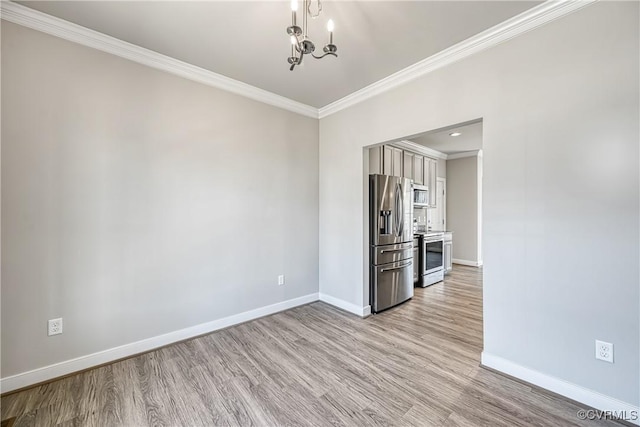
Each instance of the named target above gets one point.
<point>322,56</point>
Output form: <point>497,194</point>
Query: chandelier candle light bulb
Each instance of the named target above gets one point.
<point>330,27</point>
<point>294,9</point>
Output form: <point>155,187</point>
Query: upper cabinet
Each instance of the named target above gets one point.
<point>375,160</point>
<point>407,163</point>
<point>388,160</point>
<point>396,161</point>
<point>423,171</point>
<point>432,180</point>
<point>418,169</point>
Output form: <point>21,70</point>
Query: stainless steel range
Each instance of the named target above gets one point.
<point>391,238</point>
<point>431,267</point>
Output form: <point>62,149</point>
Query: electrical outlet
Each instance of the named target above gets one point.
<point>54,326</point>
<point>604,351</point>
<point>281,280</point>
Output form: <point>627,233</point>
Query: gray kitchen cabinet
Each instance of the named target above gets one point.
<point>375,160</point>
<point>407,164</point>
<point>389,160</point>
<point>427,174</point>
<point>416,261</point>
<point>418,169</point>
<point>432,180</point>
<point>396,161</point>
<point>447,250</point>
<point>386,160</point>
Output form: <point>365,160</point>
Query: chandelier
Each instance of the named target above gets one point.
<point>301,45</point>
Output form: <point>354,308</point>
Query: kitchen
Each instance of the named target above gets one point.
<point>413,217</point>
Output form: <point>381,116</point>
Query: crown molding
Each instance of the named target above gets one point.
<point>420,149</point>
<point>45,23</point>
<point>462,155</point>
<point>526,21</point>
<point>519,24</point>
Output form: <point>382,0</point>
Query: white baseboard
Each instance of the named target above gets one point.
<point>466,262</point>
<point>564,388</point>
<point>366,312</point>
<point>346,306</point>
<point>46,373</point>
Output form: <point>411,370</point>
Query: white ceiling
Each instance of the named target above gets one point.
<point>470,140</point>
<point>247,41</point>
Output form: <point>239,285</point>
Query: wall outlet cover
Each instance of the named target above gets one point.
<point>54,326</point>
<point>281,279</point>
<point>604,351</point>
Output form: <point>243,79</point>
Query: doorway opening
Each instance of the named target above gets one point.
<point>446,164</point>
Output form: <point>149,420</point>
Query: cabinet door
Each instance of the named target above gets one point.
<point>396,160</point>
<point>418,169</point>
<point>427,174</point>
<point>407,165</point>
<point>416,258</point>
<point>448,252</point>
<point>387,160</point>
<point>433,180</point>
<point>375,160</point>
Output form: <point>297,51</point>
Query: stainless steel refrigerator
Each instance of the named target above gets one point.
<point>391,238</point>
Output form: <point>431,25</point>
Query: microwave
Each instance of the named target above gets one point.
<point>420,196</point>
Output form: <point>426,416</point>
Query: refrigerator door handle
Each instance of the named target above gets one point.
<point>404,248</point>
<point>399,210</point>
<point>396,268</point>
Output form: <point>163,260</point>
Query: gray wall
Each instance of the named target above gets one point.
<point>136,203</point>
<point>462,207</point>
<point>561,128</point>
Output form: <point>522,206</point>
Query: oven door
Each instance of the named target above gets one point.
<point>433,259</point>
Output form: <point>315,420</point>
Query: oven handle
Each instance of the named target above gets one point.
<point>439,239</point>
<point>396,250</point>
<point>396,268</point>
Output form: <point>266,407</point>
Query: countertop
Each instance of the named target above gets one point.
<point>430,232</point>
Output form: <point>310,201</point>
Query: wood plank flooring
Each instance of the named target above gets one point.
<point>414,365</point>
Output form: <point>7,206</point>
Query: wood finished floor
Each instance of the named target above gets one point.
<point>414,365</point>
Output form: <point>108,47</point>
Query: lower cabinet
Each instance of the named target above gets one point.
<point>448,252</point>
<point>416,261</point>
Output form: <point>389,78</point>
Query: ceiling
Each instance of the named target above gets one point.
<point>469,140</point>
<point>247,41</point>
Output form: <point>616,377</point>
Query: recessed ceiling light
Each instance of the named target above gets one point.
<point>455,134</point>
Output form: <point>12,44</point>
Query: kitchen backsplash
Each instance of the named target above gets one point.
<point>421,216</point>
